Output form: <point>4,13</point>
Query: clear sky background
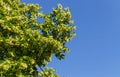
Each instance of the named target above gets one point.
<point>95,51</point>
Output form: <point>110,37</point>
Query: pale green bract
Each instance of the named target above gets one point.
<point>26,43</point>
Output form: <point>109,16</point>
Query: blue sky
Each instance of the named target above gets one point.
<point>95,51</point>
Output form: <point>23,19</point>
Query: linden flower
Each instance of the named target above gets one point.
<point>32,61</point>
<point>41,14</point>
<point>1,40</point>
<point>20,75</point>
<point>8,8</point>
<point>7,61</point>
<point>5,67</point>
<point>7,40</point>
<point>23,65</point>
<point>1,21</point>
<point>28,30</point>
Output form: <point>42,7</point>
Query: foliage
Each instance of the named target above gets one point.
<point>25,43</point>
<point>48,72</point>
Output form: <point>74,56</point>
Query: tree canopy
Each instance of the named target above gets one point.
<point>26,43</point>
